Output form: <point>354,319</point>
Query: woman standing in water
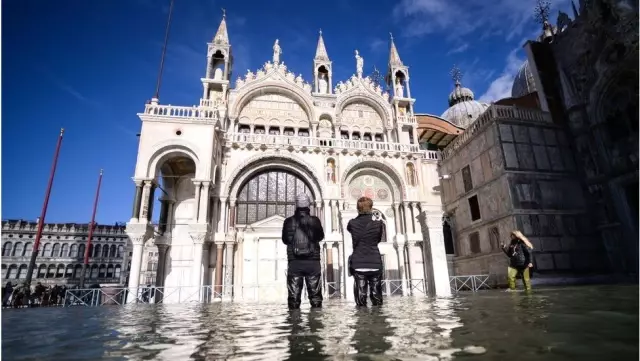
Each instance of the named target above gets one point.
<point>519,253</point>
<point>365,263</point>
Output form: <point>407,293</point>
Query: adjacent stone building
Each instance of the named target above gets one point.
<point>62,249</point>
<point>559,159</point>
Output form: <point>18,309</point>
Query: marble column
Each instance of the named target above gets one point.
<point>136,263</point>
<point>438,257</point>
<point>398,218</point>
<point>197,185</point>
<point>144,202</point>
<point>218,279</point>
<point>222,217</point>
<point>228,271</point>
<point>162,257</point>
<point>232,213</point>
<point>204,203</point>
<point>401,253</point>
<point>329,259</point>
<point>136,200</point>
<point>327,217</point>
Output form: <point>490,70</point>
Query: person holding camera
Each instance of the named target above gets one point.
<point>520,263</point>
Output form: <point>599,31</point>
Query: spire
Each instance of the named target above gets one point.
<point>321,51</point>
<point>394,57</point>
<point>222,37</point>
<point>575,10</point>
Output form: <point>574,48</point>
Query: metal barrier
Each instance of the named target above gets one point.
<point>469,283</point>
<point>208,294</point>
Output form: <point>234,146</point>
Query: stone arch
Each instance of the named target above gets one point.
<point>376,173</point>
<point>261,162</point>
<point>164,153</point>
<point>375,103</point>
<point>253,90</point>
<point>609,82</point>
<point>388,171</point>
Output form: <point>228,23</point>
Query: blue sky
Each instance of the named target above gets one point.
<point>89,66</point>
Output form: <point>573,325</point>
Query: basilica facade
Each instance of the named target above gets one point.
<point>228,169</point>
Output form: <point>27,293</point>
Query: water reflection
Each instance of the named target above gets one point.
<point>556,324</point>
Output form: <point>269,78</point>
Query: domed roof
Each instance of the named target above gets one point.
<point>464,113</point>
<point>523,83</point>
<point>463,109</point>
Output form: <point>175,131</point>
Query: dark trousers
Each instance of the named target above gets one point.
<point>367,282</point>
<point>300,272</point>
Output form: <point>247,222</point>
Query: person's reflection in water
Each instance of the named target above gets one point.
<point>304,343</point>
<point>372,333</point>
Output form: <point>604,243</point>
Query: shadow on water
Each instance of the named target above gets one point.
<point>585,323</point>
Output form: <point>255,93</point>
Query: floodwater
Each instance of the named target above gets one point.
<point>570,323</point>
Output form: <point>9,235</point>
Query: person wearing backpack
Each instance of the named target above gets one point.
<point>520,263</point>
<point>365,263</point>
<point>302,234</point>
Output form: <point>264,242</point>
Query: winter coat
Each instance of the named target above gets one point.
<point>314,236</point>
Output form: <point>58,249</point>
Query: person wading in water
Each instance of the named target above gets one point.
<point>302,234</point>
<point>519,255</point>
<point>365,263</point>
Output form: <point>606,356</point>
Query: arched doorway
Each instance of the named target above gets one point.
<point>268,194</point>
<point>263,202</point>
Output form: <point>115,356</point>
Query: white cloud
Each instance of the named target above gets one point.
<point>459,49</point>
<point>501,87</point>
<point>458,19</point>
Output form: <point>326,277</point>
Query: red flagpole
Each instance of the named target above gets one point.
<point>36,243</point>
<point>92,226</point>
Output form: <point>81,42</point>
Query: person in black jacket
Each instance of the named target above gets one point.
<point>519,255</point>
<point>365,263</point>
<point>302,234</point>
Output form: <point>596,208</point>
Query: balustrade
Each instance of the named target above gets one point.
<point>407,119</point>
<point>180,112</point>
<point>496,112</point>
<point>272,139</point>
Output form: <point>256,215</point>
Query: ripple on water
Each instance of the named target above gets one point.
<point>549,325</point>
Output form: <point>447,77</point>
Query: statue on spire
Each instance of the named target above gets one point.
<point>456,74</point>
<point>359,64</point>
<point>541,12</point>
<point>276,52</point>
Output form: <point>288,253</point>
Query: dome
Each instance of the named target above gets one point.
<point>463,109</point>
<point>464,113</point>
<point>523,83</point>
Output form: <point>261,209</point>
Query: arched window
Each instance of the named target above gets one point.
<point>110,271</point>
<point>28,248</point>
<point>17,250</point>
<point>13,272</point>
<point>65,250</point>
<point>112,251</point>
<point>60,271</point>
<point>94,271</point>
<point>56,250</point>
<point>120,252</point>
<point>74,251</point>
<point>6,249</point>
<point>4,271</point>
<point>105,251</point>
<point>77,271</point>
<point>81,250</point>
<point>102,271</point>
<point>267,194</point>
<point>118,271</point>
<point>42,271</point>
<point>97,250</point>
<point>51,271</point>
<point>46,252</point>
<point>22,271</point>
<point>68,272</point>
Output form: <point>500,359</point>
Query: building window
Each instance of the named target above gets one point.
<point>474,242</point>
<point>494,238</point>
<point>474,207</point>
<point>466,179</point>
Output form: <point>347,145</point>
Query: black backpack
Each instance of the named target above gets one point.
<point>303,245</point>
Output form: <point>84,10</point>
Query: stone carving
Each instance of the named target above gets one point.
<point>323,83</point>
<point>269,71</point>
<point>276,52</point>
<point>359,64</point>
<point>197,237</point>
<point>331,171</point>
<point>411,174</point>
<point>399,88</point>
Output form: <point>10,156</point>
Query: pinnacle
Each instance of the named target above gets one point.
<point>222,37</point>
<point>321,50</point>
<point>394,57</point>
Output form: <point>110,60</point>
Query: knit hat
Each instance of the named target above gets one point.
<point>302,201</point>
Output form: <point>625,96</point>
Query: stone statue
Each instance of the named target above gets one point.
<point>276,52</point>
<point>331,172</point>
<point>359,64</point>
<point>217,74</point>
<point>399,88</point>
<point>323,84</point>
<point>411,176</point>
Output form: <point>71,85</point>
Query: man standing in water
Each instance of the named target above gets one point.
<point>302,234</point>
<point>519,260</point>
